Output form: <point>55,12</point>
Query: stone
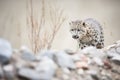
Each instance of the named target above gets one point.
<point>75,57</point>
<point>113,50</point>
<point>107,64</point>
<point>25,49</point>
<point>118,50</point>
<point>81,64</point>
<point>5,51</point>
<point>98,61</point>
<point>106,78</point>
<point>92,72</point>
<point>18,61</point>
<point>87,64</point>
<point>93,52</point>
<point>28,56</point>
<point>46,68</point>
<point>70,52</point>
<point>88,77</point>
<point>27,73</point>
<point>43,53</point>
<point>116,59</point>
<point>65,77</point>
<point>95,77</point>
<point>64,60</point>
<point>66,70</point>
<point>1,72</point>
<point>80,71</point>
<point>9,72</point>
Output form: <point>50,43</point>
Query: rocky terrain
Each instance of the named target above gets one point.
<point>87,64</point>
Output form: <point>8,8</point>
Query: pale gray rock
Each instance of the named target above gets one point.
<point>70,52</point>
<point>43,53</point>
<point>27,54</point>
<point>46,68</point>
<point>98,61</point>
<point>75,57</point>
<point>65,77</point>
<point>9,72</point>
<point>92,72</point>
<point>93,52</point>
<point>116,59</point>
<point>80,71</point>
<point>5,51</point>
<point>64,60</point>
<point>66,70</point>
<point>1,72</point>
<point>28,73</point>
<point>88,77</point>
<point>113,50</point>
<point>106,78</point>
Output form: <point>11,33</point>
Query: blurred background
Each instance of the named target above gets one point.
<point>37,23</point>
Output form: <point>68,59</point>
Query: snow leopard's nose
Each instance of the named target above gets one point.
<point>75,36</point>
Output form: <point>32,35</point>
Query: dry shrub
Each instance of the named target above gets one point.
<point>43,40</point>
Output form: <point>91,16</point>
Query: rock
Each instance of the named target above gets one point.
<point>113,50</point>
<point>49,53</point>
<point>46,68</point>
<point>66,70</point>
<point>87,64</point>
<point>106,78</point>
<point>26,54</point>
<point>9,72</point>
<point>5,51</point>
<point>27,73</point>
<point>18,61</point>
<point>24,49</point>
<point>116,59</point>
<point>98,61</point>
<point>118,50</point>
<point>64,60</point>
<point>105,75</point>
<point>92,72</point>
<point>95,77</point>
<point>4,59</point>
<point>75,57</point>
<point>80,71</point>
<point>70,52</point>
<point>103,72</point>
<point>1,72</point>
<point>59,73</point>
<point>82,65</point>
<point>65,77</point>
<point>93,52</point>
<point>88,77</point>
<point>107,64</point>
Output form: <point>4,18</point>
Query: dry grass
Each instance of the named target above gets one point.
<point>43,40</point>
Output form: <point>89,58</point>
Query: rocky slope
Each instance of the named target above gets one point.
<point>87,64</point>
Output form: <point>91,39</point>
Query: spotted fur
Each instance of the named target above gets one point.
<point>87,32</point>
